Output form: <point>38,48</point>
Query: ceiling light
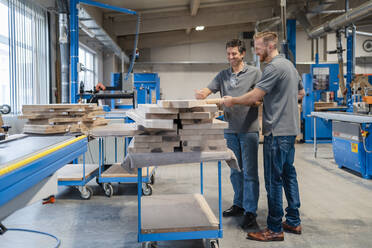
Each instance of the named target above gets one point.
<point>199,28</point>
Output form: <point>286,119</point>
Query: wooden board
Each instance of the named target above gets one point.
<point>217,124</point>
<point>196,115</point>
<point>74,172</point>
<point>181,103</point>
<point>133,149</point>
<point>45,129</point>
<point>196,121</point>
<point>176,213</point>
<point>204,142</point>
<point>39,107</point>
<point>150,123</point>
<point>116,170</point>
<point>156,109</point>
<point>202,108</point>
<point>204,148</point>
<point>116,129</point>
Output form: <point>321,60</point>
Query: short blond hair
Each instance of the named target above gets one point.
<point>267,36</point>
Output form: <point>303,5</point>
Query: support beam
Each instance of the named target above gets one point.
<point>180,37</point>
<point>194,6</point>
<point>182,21</point>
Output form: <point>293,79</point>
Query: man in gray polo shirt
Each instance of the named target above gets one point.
<point>279,87</point>
<point>242,134</point>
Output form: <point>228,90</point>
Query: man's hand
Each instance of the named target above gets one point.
<point>200,94</point>
<point>228,101</point>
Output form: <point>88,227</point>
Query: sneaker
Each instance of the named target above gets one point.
<point>233,211</point>
<point>249,221</point>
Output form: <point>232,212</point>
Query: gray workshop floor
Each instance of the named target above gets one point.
<point>336,209</point>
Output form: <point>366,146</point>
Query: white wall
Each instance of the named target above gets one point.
<point>179,80</point>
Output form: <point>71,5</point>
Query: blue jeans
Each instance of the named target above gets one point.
<point>279,153</point>
<point>245,182</point>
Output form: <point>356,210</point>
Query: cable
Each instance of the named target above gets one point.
<point>364,145</point>
<point>135,47</point>
<point>39,232</point>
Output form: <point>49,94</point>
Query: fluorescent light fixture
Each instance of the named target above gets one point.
<point>199,28</point>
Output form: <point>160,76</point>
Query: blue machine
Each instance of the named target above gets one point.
<point>321,83</point>
<point>147,86</point>
<point>351,150</point>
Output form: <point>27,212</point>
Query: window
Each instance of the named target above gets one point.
<point>87,75</point>
<point>4,56</point>
<point>24,54</point>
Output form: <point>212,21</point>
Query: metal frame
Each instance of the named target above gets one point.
<point>207,234</point>
<point>74,39</point>
<point>18,181</point>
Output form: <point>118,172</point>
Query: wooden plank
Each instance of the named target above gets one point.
<point>202,108</point>
<point>153,145</point>
<point>181,103</point>
<point>196,115</point>
<point>74,172</point>
<point>116,170</point>
<point>45,129</point>
<point>115,129</point>
<point>132,149</point>
<point>204,142</point>
<point>150,123</point>
<point>217,124</point>
<point>58,106</point>
<point>156,109</point>
<point>204,149</point>
<point>195,121</point>
<point>66,119</point>
<point>176,213</point>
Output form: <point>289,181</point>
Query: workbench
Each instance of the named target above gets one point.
<point>28,163</point>
<point>351,140</point>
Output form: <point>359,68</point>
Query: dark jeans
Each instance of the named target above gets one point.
<point>279,153</point>
<point>245,182</point>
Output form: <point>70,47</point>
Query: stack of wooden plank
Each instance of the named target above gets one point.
<point>159,129</point>
<point>61,118</point>
<point>177,125</point>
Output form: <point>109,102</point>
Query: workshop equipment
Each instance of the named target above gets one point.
<point>321,87</point>
<point>28,163</point>
<point>351,142</point>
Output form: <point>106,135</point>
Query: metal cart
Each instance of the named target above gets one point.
<point>168,217</point>
<point>108,174</point>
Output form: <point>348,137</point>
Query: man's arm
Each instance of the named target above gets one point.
<point>249,98</point>
<point>203,93</point>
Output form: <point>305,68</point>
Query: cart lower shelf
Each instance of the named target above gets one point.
<point>74,172</point>
<point>116,170</point>
<point>176,213</point>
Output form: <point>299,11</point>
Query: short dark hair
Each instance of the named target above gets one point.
<point>236,43</point>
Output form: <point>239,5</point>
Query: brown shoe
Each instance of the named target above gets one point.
<point>292,229</point>
<point>266,235</point>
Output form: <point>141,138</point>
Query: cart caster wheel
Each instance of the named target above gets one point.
<point>146,189</point>
<point>108,189</point>
<point>211,243</point>
<point>152,179</point>
<point>86,193</point>
<point>214,244</point>
<point>149,244</point>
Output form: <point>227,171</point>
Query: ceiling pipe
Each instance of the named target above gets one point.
<point>341,21</point>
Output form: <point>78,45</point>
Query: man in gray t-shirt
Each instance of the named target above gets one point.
<point>242,133</point>
<point>279,87</point>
